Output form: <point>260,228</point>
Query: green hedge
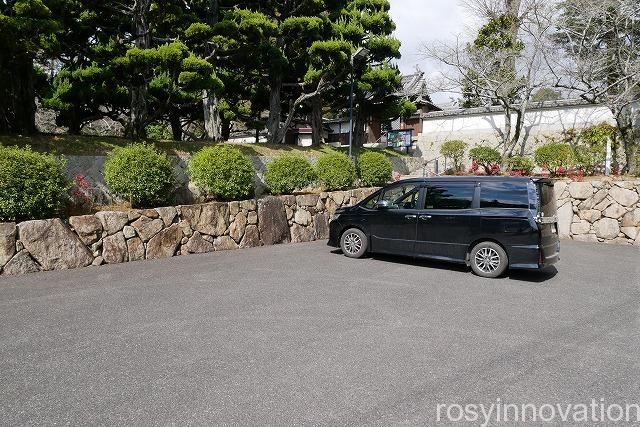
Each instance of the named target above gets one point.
<point>454,150</point>
<point>555,157</point>
<point>32,185</point>
<point>336,171</point>
<point>289,173</point>
<point>374,169</point>
<point>520,164</point>
<point>486,157</point>
<point>223,172</point>
<point>140,174</point>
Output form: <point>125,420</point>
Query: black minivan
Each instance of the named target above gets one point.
<point>489,223</point>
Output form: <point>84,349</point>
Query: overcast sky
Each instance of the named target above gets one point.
<point>421,21</point>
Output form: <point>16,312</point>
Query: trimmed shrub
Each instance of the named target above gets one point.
<point>32,185</point>
<point>637,157</point>
<point>454,150</point>
<point>160,132</point>
<point>591,148</point>
<point>140,174</point>
<point>289,173</point>
<point>554,156</point>
<point>590,158</point>
<point>223,172</point>
<point>487,157</point>
<point>336,171</point>
<point>375,169</point>
<point>520,165</point>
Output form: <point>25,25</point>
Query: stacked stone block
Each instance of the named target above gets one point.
<point>112,237</point>
<point>604,210</point>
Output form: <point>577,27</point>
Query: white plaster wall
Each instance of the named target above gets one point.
<point>246,139</point>
<point>483,129</point>
<point>305,140</point>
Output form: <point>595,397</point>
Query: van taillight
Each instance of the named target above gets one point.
<point>541,258</point>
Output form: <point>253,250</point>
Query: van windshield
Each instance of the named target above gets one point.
<point>547,199</point>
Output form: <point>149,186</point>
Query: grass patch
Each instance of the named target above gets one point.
<point>83,145</point>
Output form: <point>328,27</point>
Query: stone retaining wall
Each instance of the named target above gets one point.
<point>115,237</point>
<point>598,211</point>
<point>606,210</point>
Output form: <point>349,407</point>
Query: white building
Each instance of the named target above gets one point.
<point>482,125</point>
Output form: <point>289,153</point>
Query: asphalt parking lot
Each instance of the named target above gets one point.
<point>299,334</point>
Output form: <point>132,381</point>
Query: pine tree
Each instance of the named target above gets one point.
<point>237,43</point>
<point>29,31</point>
<point>86,86</point>
<point>367,23</point>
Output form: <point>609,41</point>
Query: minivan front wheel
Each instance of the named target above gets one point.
<point>488,259</point>
<point>353,243</point>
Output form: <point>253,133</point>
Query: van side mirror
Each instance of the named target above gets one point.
<point>382,204</point>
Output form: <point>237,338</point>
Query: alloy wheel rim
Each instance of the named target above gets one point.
<point>352,243</point>
<point>487,260</point>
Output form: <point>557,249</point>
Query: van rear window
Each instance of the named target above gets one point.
<point>504,195</point>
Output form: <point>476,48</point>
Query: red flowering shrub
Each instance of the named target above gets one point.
<point>474,167</point>
<point>576,174</point>
<point>81,201</point>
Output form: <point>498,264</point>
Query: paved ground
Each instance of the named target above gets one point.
<point>301,334</point>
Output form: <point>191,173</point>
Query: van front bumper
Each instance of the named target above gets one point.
<point>334,234</point>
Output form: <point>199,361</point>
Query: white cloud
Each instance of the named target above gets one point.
<point>424,21</point>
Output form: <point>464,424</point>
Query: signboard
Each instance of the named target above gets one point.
<point>399,138</point>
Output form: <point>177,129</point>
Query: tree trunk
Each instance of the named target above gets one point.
<point>630,142</point>
<point>17,95</point>
<point>176,127</point>
<point>317,125</point>
<point>512,10</point>
<point>138,115</point>
<point>74,125</point>
<point>359,133</point>
<point>212,122</point>
<point>632,153</point>
<point>138,89</point>
<point>225,129</point>
<point>517,131</point>
<point>275,109</point>
<point>506,132</point>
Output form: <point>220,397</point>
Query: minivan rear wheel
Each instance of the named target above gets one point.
<point>353,243</point>
<point>488,259</point>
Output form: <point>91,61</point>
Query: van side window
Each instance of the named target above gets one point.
<point>449,196</point>
<point>371,203</point>
<point>504,195</point>
<point>402,196</point>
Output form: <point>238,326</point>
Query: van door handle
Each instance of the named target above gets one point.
<point>425,217</point>
<point>410,216</point>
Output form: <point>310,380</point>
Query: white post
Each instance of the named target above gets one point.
<point>607,162</point>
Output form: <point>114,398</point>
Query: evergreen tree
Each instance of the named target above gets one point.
<point>30,30</point>
<point>367,23</point>
<point>86,86</point>
<point>237,43</point>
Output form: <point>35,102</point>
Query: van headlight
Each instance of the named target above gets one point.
<point>335,217</point>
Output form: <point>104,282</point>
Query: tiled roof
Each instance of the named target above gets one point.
<point>562,103</point>
<point>414,88</point>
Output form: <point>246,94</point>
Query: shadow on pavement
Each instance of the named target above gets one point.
<point>532,276</point>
